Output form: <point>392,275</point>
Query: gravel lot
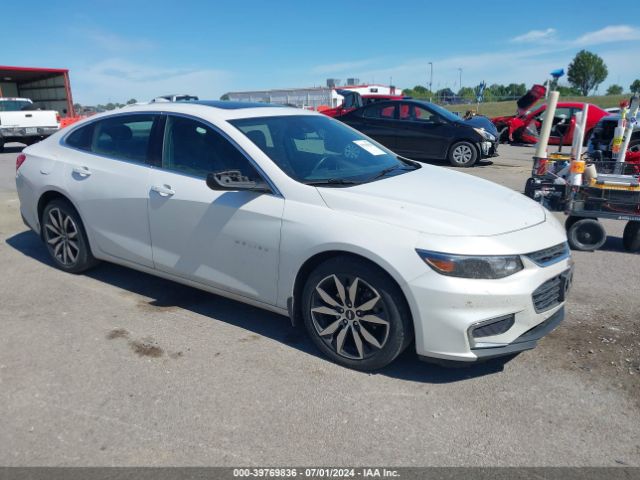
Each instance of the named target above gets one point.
<point>117,367</point>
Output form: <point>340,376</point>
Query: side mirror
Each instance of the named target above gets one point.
<point>233,180</point>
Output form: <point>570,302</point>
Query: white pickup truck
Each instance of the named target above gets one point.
<point>21,121</point>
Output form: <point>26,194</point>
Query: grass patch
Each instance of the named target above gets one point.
<point>496,109</point>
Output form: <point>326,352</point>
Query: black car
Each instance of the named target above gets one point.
<point>422,130</point>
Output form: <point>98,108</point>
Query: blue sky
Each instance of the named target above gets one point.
<point>121,49</point>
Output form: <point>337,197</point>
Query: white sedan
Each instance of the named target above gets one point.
<point>294,212</point>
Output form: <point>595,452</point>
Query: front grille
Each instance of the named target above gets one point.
<point>548,295</point>
<point>549,256</point>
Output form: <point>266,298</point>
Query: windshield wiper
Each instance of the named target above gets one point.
<point>387,170</point>
<point>331,181</point>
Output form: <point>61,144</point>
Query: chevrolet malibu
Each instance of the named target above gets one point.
<point>299,214</point>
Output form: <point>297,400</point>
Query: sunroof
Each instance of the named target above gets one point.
<point>228,105</point>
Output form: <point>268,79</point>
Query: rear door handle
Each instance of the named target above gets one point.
<point>163,190</point>
<point>84,171</point>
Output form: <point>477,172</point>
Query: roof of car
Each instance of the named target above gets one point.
<point>229,105</point>
<point>223,110</point>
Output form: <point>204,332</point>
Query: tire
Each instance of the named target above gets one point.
<point>503,135</point>
<point>463,154</point>
<point>570,221</point>
<point>631,237</point>
<point>586,235</point>
<point>1,146</point>
<point>367,339</point>
<point>65,237</point>
<point>529,188</point>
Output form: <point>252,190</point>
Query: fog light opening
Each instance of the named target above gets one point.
<point>495,326</point>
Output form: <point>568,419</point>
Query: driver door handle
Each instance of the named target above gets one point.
<point>163,190</point>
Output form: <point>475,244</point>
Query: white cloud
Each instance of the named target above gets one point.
<point>116,43</point>
<point>536,36</point>
<point>118,80</point>
<point>611,33</point>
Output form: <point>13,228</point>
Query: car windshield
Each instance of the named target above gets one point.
<point>443,112</point>
<point>13,105</point>
<point>316,149</point>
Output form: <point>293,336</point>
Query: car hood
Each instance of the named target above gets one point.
<point>482,122</point>
<point>438,201</point>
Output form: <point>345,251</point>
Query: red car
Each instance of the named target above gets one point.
<point>353,100</point>
<point>525,127</point>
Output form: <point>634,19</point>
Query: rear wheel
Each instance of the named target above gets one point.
<point>463,154</point>
<point>65,237</point>
<point>631,237</point>
<point>356,314</point>
<point>586,234</point>
<point>1,146</point>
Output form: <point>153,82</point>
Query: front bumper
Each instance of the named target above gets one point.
<point>446,309</point>
<point>488,149</point>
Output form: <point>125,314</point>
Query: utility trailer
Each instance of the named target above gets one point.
<point>588,188</point>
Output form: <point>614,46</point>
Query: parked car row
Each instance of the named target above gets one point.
<point>297,213</point>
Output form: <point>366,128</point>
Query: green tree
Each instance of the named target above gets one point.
<point>635,86</point>
<point>614,90</point>
<point>587,71</point>
<point>467,93</point>
<point>417,92</point>
<point>131,101</point>
<point>565,91</point>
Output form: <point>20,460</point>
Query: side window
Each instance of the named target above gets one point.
<point>81,138</point>
<point>123,137</point>
<point>193,148</point>
<point>422,115</point>
<point>380,111</point>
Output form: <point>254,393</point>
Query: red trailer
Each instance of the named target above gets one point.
<point>49,87</point>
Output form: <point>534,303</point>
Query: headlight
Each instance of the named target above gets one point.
<point>467,266</point>
<point>486,135</point>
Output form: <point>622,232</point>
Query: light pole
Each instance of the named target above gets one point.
<point>430,81</point>
<point>460,70</point>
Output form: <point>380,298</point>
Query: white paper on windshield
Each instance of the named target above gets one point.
<point>369,147</point>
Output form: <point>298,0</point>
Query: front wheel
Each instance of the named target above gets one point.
<point>65,237</point>
<point>463,154</point>
<point>356,314</point>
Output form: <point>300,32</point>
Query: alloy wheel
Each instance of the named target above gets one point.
<point>61,234</point>
<point>462,154</point>
<point>350,317</point>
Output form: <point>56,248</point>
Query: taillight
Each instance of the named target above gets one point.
<point>20,160</point>
<point>57,118</point>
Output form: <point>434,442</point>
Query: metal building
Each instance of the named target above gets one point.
<point>311,97</point>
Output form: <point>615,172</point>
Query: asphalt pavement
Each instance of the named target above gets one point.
<point>116,367</point>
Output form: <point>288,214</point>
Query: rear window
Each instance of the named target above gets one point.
<point>81,138</point>
<point>13,105</point>
<point>380,111</point>
<point>124,137</point>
